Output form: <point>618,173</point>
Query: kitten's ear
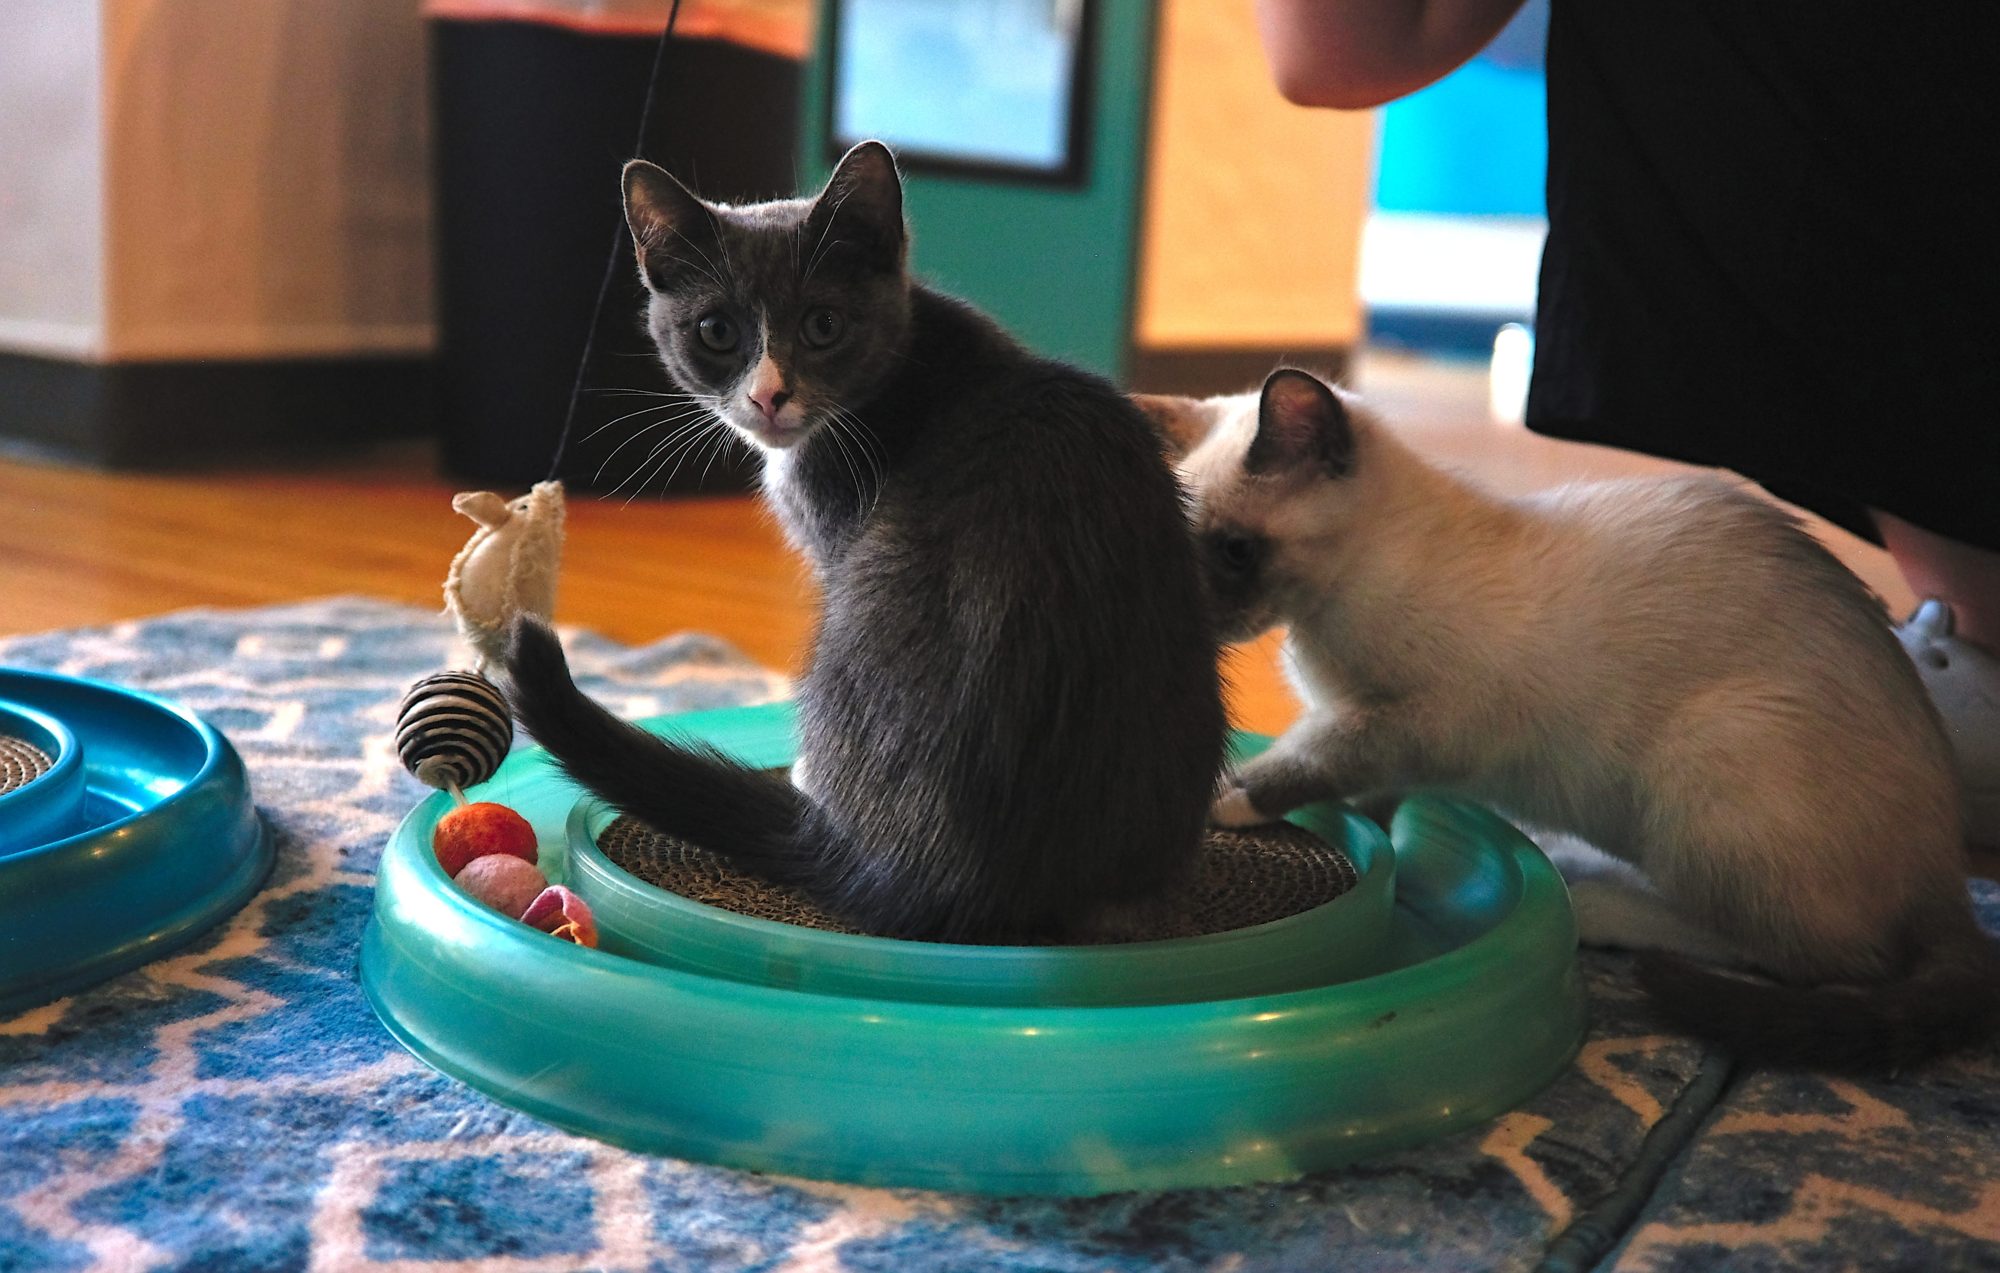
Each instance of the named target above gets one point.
<point>863,205</point>
<point>1180,422</point>
<point>1300,421</point>
<point>658,207</point>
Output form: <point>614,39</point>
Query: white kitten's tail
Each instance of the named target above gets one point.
<point>1948,999</point>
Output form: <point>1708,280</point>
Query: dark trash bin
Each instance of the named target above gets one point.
<point>537,106</point>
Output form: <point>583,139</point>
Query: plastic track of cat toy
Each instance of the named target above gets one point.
<point>158,840</point>
<point>1477,1007</point>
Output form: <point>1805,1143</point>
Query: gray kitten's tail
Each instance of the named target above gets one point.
<point>1947,999</point>
<point>749,817</point>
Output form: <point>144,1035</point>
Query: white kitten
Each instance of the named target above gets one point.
<point>1672,669</point>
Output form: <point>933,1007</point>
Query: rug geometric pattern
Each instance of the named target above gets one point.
<point>236,1105</point>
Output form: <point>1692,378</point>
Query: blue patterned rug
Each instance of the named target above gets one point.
<point>236,1105</point>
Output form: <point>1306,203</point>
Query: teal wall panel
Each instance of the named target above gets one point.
<point>1056,265</point>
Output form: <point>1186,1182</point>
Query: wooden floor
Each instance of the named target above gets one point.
<point>80,547</point>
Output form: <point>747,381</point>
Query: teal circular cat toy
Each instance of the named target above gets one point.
<point>942,1067</point>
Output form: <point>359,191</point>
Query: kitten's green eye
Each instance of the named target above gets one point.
<point>718,332</point>
<point>822,327</point>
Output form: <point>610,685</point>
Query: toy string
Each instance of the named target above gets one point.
<point>617,248</point>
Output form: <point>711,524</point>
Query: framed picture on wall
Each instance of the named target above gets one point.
<point>978,88</point>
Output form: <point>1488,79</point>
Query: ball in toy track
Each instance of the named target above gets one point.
<point>502,881</point>
<point>476,830</point>
<point>453,729</point>
<point>561,913</point>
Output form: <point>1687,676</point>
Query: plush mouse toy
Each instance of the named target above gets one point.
<point>508,567</point>
<point>454,729</point>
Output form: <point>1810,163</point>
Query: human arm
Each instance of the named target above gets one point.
<point>1350,54</point>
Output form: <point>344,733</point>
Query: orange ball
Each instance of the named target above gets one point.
<point>475,830</point>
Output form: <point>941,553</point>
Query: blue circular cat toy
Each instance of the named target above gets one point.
<point>126,830</point>
<point>696,1033</point>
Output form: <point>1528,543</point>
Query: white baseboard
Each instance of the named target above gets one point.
<point>77,342</point>
<point>81,342</point>
<point>191,342</point>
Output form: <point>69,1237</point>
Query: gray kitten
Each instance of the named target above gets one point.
<point>1012,718</point>
<point>1673,670</point>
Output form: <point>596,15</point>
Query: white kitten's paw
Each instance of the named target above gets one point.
<point>1233,809</point>
<point>1579,860</point>
<point>800,780</point>
<point>1603,913</point>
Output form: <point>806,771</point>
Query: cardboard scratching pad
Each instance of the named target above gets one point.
<point>21,762</point>
<point>1238,880</point>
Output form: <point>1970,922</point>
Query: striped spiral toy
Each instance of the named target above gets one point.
<point>453,730</point>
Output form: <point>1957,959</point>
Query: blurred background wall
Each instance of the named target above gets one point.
<point>213,225</point>
<point>265,179</point>
<point>231,226</point>
<point>51,180</point>
<point>1253,214</point>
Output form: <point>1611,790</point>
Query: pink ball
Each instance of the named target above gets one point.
<point>561,913</point>
<point>504,882</point>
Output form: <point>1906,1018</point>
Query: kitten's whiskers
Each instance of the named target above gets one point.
<point>833,433</point>
<point>864,438</point>
<point>657,424</point>
<point>715,453</point>
<point>656,393</point>
<point>658,406</point>
<point>683,438</point>
<point>723,437</point>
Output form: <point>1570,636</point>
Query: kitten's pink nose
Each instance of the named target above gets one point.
<point>770,401</point>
